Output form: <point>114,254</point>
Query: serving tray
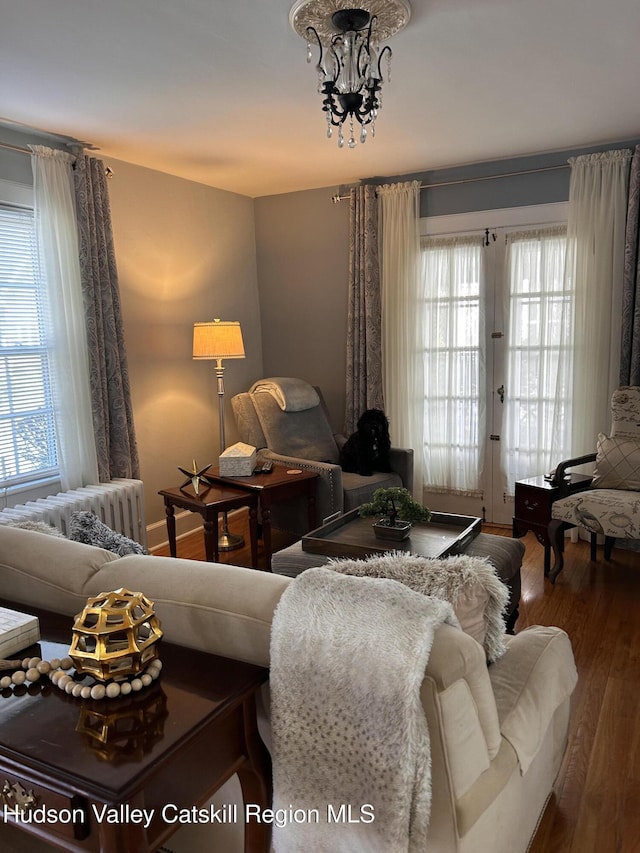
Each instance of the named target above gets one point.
<point>349,535</point>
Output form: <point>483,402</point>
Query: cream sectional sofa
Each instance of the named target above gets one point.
<point>498,733</point>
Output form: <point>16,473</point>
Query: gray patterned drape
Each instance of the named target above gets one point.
<point>116,446</point>
<point>364,327</point>
<point>630,349</point>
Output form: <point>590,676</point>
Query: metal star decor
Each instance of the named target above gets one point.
<point>194,476</point>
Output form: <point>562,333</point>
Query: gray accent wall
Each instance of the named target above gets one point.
<point>186,253</point>
<point>302,244</point>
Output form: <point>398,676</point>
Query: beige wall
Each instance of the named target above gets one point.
<point>302,245</point>
<point>185,253</point>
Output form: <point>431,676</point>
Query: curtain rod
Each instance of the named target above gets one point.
<point>337,198</point>
<point>107,169</point>
<point>15,148</point>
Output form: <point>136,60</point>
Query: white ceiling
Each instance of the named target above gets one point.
<point>219,91</point>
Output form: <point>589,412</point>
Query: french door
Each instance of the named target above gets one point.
<point>497,364</point>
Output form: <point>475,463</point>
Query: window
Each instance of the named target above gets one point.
<point>27,432</point>
<point>454,364</point>
<point>537,424</point>
<point>498,355</point>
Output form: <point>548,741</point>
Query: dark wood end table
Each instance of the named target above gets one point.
<point>211,500</point>
<point>534,498</point>
<point>280,484</point>
<point>165,749</point>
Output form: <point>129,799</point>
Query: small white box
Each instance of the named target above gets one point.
<point>17,631</point>
<point>239,460</point>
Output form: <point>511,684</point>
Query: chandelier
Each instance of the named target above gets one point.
<point>350,59</point>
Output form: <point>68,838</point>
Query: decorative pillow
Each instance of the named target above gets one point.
<point>38,527</point>
<point>617,463</point>
<point>470,584</point>
<point>86,527</point>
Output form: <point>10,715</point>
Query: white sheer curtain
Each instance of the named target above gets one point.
<point>454,378</point>
<point>402,319</point>
<point>56,230</point>
<point>537,427</point>
<point>595,261</point>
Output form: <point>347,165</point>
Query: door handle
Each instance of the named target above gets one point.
<point>500,391</point>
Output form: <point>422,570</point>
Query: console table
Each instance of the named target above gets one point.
<point>532,507</point>
<point>164,749</point>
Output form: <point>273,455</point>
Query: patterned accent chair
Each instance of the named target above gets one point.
<point>610,507</point>
<point>296,432</point>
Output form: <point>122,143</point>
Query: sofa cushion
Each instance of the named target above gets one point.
<point>608,512</point>
<point>46,571</point>
<point>221,609</point>
<point>535,677</point>
<point>86,527</point>
<point>358,489</point>
<point>470,584</point>
<point>617,463</point>
<point>306,434</point>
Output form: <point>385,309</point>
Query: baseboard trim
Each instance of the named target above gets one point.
<point>187,523</point>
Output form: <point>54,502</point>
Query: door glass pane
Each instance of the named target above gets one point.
<point>535,431</point>
<point>454,364</point>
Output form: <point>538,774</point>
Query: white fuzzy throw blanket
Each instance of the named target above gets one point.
<point>457,580</point>
<point>351,757</point>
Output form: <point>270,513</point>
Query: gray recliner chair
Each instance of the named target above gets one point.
<point>286,420</point>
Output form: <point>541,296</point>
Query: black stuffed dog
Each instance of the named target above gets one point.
<point>367,450</point>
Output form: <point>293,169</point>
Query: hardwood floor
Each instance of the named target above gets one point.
<point>596,805</point>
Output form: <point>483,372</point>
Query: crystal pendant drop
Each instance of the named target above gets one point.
<point>309,54</point>
<point>363,135</point>
<point>340,137</point>
<point>352,143</point>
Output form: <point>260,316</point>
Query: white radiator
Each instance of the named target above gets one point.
<point>119,504</point>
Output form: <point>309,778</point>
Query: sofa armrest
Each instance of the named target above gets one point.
<point>535,676</point>
<point>402,464</point>
<point>329,492</point>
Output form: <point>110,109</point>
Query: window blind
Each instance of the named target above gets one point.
<point>27,431</point>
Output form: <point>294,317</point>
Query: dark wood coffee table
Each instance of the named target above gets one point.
<point>280,484</point>
<point>168,747</point>
<point>211,500</point>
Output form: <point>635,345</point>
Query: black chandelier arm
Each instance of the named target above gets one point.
<point>315,33</point>
<point>382,53</point>
<point>373,19</point>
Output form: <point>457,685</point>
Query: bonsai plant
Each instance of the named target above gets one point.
<point>398,511</point>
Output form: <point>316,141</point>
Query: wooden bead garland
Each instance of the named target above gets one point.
<point>30,670</point>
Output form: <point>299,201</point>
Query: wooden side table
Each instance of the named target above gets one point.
<point>279,485</point>
<point>534,498</point>
<point>95,765</point>
<point>210,502</point>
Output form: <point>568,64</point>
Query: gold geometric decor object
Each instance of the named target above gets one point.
<point>115,636</point>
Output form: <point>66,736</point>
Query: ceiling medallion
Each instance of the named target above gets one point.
<point>350,58</point>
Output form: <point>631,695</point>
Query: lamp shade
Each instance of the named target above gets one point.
<point>218,339</point>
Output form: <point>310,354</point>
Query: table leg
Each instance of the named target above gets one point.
<point>211,538</point>
<point>253,535</point>
<point>171,525</point>
<point>255,780</point>
<point>311,505</point>
<point>265,520</point>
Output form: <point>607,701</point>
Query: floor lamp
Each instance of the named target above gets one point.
<point>215,341</point>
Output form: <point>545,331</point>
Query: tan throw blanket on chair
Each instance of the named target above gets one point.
<point>292,395</point>
<point>351,757</point>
